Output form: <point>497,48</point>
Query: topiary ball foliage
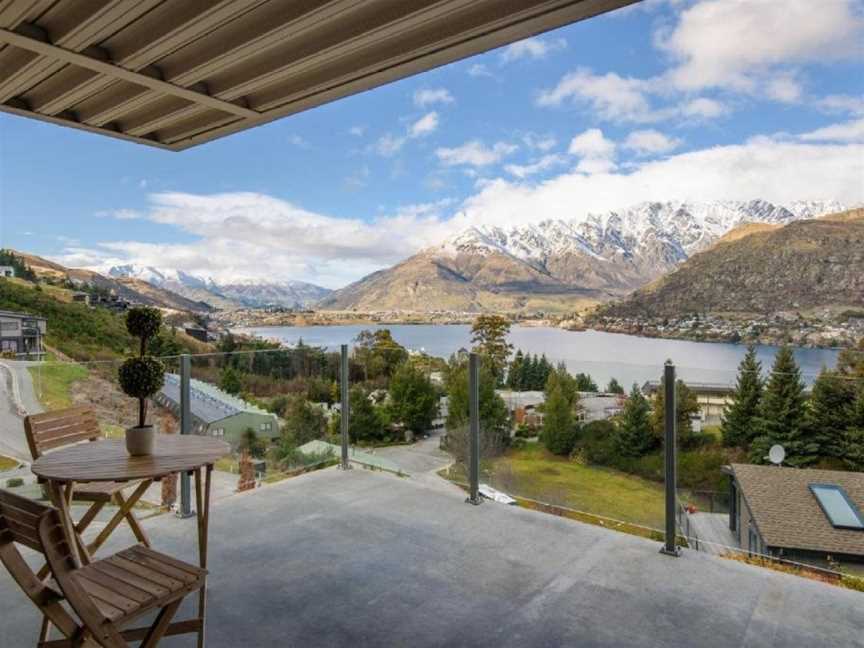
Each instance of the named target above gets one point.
<point>143,322</point>
<point>141,377</point>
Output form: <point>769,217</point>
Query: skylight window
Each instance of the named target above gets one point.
<point>838,508</point>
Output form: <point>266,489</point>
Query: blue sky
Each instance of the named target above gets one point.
<point>670,100</point>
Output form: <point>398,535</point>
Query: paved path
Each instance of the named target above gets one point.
<point>713,532</point>
<point>17,399</point>
<point>422,461</point>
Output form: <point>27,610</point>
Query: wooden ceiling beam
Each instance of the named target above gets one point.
<point>62,55</point>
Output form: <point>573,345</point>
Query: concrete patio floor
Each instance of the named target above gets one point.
<point>371,559</point>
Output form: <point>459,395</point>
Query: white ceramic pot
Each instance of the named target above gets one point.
<point>140,440</point>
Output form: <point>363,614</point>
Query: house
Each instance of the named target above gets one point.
<point>7,271</point>
<point>799,514</point>
<point>712,398</point>
<point>200,334</point>
<point>21,334</point>
<point>81,298</point>
<point>218,413</point>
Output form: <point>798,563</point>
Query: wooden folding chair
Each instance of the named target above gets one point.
<point>106,595</point>
<point>51,430</point>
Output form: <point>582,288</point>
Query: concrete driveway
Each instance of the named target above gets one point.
<point>17,399</point>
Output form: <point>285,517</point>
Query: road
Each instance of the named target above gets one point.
<point>17,399</point>
<point>422,461</point>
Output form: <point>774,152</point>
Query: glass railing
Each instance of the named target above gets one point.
<point>578,439</point>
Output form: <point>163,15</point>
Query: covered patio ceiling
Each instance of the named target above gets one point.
<point>177,73</point>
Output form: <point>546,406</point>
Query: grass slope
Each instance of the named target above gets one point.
<point>74,329</point>
<point>534,473</point>
<point>53,383</point>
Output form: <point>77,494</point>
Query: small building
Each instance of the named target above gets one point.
<point>81,298</point>
<point>712,397</point>
<point>805,515</point>
<point>198,333</point>
<point>217,413</point>
<point>21,334</point>
<point>7,271</point>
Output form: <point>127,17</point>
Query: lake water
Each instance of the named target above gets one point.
<point>603,355</point>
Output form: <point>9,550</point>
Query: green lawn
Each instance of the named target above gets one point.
<point>53,382</point>
<point>534,473</point>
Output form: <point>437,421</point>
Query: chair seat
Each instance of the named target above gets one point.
<point>136,580</point>
<point>99,491</point>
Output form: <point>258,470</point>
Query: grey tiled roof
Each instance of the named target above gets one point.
<point>208,403</point>
<point>787,513</point>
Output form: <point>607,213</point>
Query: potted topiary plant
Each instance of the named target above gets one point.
<point>141,377</point>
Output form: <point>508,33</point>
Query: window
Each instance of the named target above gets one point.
<point>265,427</point>
<point>837,507</point>
<point>8,326</point>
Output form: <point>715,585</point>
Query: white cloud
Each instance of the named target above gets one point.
<point>475,153</point>
<point>389,145</point>
<point>596,152</point>
<point>778,171</point>
<point>784,88</point>
<point>299,141</point>
<point>426,97</point>
<point>255,236</point>
<point>840,103</point>
<point>610,96</point>
<point>357,131</point>
<point>479,70</point>
<point>543,164</point>
<point>539,142</point>
<point>703,107</point>
<point>592,143</point>
<point>359,178</point>
<point>427,124</point>
<point>852,131</point>
<point>120,214</point>
<point>533,48</point>
<point>742,45</point>
<point>650,142</point>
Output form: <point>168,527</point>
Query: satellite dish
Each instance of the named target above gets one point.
<point>777,454</point>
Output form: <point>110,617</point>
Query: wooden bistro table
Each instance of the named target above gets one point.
<point>107,461</point>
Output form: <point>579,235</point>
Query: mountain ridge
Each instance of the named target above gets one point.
<point>560,265</point>
<point>236,294</point>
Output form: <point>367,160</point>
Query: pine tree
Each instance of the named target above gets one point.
<point>633,434</point>
<point>585,383</point>
<point>830,413</point>
<point>853,455</point>
<point>514,372</point>
<point>780,419</point>
<point>687,406</point>
<point>614,387</point>
<point>558,434</point>
<point>737,422</point>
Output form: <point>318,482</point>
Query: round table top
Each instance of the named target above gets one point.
<point>107,459</point>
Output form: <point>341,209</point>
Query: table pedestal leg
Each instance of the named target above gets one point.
<point>202,500</point>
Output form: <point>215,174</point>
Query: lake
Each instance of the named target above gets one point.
<point>603,355</point>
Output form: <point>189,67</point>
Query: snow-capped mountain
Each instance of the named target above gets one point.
<point>254,294</point>
<point>649,237</point>
<point>555,263</point>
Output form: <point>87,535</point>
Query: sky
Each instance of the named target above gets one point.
<point>667,100</point>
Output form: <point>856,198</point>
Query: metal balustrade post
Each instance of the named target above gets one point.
<point>474,429</point>
<point>345,406</point>
<point>185,510</point>
<point>670,457</point>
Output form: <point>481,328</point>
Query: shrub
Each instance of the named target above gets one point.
<point>143,376</point>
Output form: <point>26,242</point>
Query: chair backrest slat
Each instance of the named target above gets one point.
<point>60,428</point>
<point>34,525</point>
<point>19,520</point>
